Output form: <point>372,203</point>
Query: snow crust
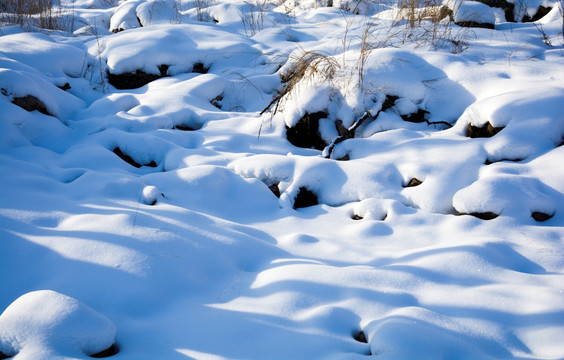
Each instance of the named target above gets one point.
<point>175,209</point>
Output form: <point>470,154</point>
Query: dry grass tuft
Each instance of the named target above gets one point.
<point>306,65</point>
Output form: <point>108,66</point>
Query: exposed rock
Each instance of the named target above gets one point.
<point>132,80</point>
<point>4,356</point>
<point>484,216</point>
<point>138,78</point>
<point>489,162</point>
<point>65,87</point>
<point>474,24</point>
<point>305,198</point>
<point>360,336</point>
<point>389,102</point>
<point>200,68</point>
<point>130,160</point>
<point>189,125</point>
<point>541,12</point>
<point>184,127</point>
<point>484,131</point>
<point>356,217</point>
<point>163,69</point>
<point>217,101</point>
<point>540,216</point>
<point>413,182</point>
<point>111,351</point>
<point>275,190</point>
<point>30,103</point>
<point>305,133</point>
<point>417,117</point>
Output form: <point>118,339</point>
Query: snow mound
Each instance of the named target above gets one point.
<point>474,12</point>
<point>414,332</point>
<point>530,121</point>
<point>511,195</point>
<point>395,89</point>
<point>44,54</point>
<point>180,47</point>
<point>44,324</point>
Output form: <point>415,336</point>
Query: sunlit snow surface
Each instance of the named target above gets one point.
<point>191,256</point>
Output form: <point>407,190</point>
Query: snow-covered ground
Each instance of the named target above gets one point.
<point>283,180</point>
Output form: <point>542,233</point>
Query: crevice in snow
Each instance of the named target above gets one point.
<point>128,159</point>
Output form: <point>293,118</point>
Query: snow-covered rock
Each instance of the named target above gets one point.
<point>45,324</point>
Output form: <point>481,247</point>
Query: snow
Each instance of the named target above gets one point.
<point>51,323</point>
<point>474,11</point>
<point>162,222</point>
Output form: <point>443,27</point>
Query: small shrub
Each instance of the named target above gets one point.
<point>45,14</point>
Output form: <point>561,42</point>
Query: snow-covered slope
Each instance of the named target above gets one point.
<point>289,180</point>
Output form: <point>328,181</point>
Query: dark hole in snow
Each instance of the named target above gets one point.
<point>305,198</point>
<point>200,68</point>
<point>541,12</point>
<point>486,131</point>
<point>413,182</point>
<point>217,101</point>
<point>507,7</point>
<point>474,24</point>
<point>131,80</point>
<point>344,158</point>
<point>30,103</point>
<point>489,162</point>
<point>540,216</point>
<point>305,133</point>
<point>65,87</point>
<point>4,356</point>
<point>417,117</point>
<point>561,143</point>
<point>275,190</point>
<point>184,127</point>
<point>111,351</point>
<point>115,31</point>
<point>128,159</point>
<point>163,69</point>
<point>356,217</point>
<point>360,336</point>
<point>389,102</point>
<point>139,21</point>
<point>485,215</point>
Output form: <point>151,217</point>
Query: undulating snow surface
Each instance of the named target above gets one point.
<point>154,204</point>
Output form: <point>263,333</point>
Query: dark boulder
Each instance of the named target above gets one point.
<point>30,103</point>
<point>540,216</point>
<point>305,198</point>
<point>305,133</point>
<point>485,131</point>
<point>474,24</point>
